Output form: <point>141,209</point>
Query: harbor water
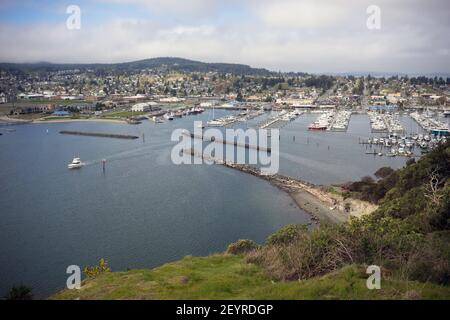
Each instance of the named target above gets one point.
<point>143,211</point>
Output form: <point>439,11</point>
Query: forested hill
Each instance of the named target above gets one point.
<point>162,63</point>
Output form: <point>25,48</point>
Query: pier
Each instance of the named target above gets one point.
<point>384,122</point>
<point>340,121</point>
<point>323,122</point>
<point>231,119</point>
<point>427,123</point>
<point>279,120</point>
<point>101,135</point>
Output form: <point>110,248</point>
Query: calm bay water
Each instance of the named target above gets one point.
<point>145,211</point>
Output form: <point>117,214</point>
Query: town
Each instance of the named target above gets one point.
<point>171,90</point>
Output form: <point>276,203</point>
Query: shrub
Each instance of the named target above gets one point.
<point>383,172</point>
<point>94,271</point>
<point>19,293</point>
<point>242,246</point>
<point>308,255</point>
<point>287,234</point>
<point>410,161</point>
<point>431,262</point>
<point>294,253</point>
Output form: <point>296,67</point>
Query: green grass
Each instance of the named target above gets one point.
<point>230,277</point>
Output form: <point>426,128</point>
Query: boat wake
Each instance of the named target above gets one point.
<point>128,154</point>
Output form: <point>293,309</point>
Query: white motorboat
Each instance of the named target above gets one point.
<point>157,120</point>
<point>75,164</point>
<point>168,116</point>
<point>215,123</point>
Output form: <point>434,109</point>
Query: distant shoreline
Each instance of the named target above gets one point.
<point>13,121</point>
<point>79,120</point>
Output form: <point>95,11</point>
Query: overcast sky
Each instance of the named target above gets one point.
<point>286,35</point>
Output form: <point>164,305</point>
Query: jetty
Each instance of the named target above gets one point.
<point>320,204</point>
<point>99,134</point>
<point>235,143</point>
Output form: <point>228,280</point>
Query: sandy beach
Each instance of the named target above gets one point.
<point>320,211</point>
<point>324,206</point>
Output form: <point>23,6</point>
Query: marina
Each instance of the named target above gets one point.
<point>341,120</point>
<point>393,145</point>
<point>385,122</point>
<point>279,120</point>
<point>242,116</point>
<point>323,122</point>
<point>431,125</point>
<point>332,121</point>
<point>171,114</point>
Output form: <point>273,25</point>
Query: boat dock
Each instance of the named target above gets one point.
<point>230,119</point>
<point>323,122</point>
<point>340,121</point>
<point>101,135</point>
<point>385,122</point>
<point>280,120</point>
<point>427,123</point>
<point>394,145</point>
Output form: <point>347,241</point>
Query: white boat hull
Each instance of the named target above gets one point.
<point>74,166</point>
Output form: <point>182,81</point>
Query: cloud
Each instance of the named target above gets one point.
<point>301,14</point>
<point>284,35</point>
<point>187,8</point>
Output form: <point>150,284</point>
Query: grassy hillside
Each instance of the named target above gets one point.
<point>231,277</point>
